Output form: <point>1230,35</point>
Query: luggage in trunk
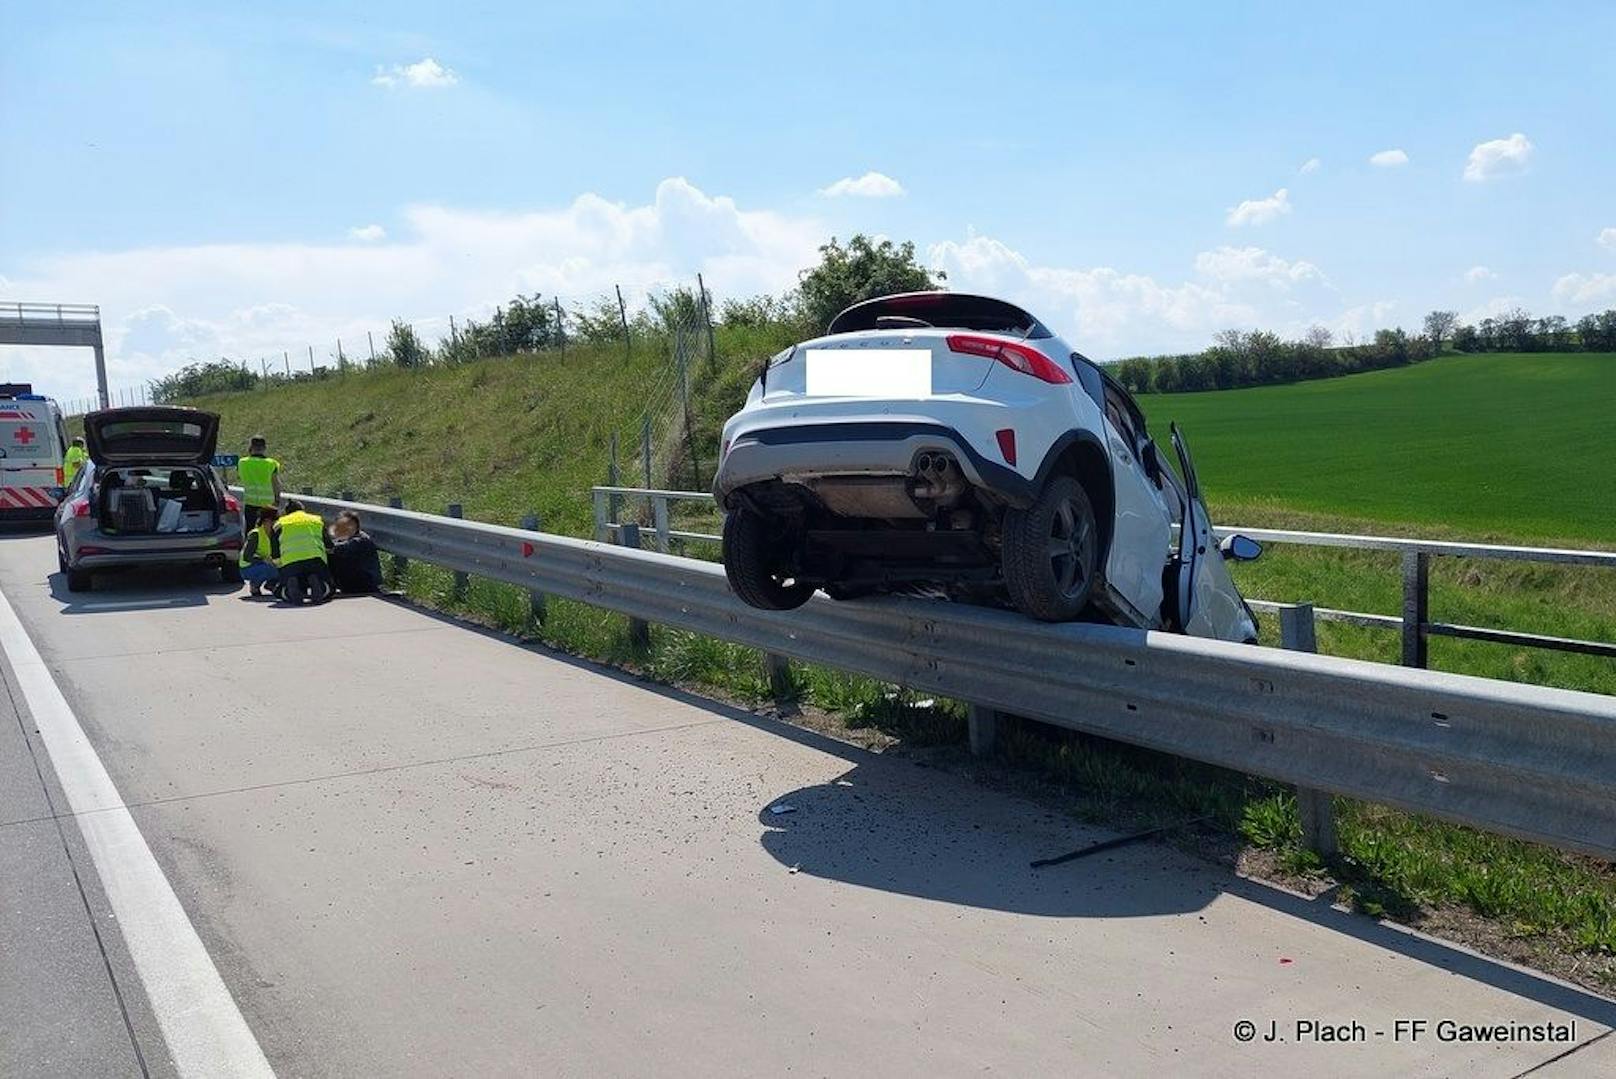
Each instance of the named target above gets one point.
<point>133,509</point>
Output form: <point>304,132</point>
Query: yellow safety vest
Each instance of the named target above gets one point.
<point>71,463</point>
<point>261,550</point>
<point>302,537</point>
<point>258,479</point>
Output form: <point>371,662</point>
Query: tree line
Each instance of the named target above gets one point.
<point>1257,357</point>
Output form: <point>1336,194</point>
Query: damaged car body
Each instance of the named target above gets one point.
<point>946,443</point>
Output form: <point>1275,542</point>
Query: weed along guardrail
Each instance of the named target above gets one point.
<point>1414,624</point>
<point>1527,761</point>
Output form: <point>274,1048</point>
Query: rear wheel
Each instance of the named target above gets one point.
<point>754,550</point>
<point>78,580</point>
<point>1051,552</point>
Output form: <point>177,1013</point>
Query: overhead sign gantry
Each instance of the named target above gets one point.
<point>75,325</point>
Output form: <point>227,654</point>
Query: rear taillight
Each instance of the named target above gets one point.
<point>232,504</point>
<point>1007,444</point>
<point>1013,354</point>
<point>80,507</point>
<point>61,477</point>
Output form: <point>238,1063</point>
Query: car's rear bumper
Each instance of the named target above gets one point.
<point>108,557</point>
<point>869,448</point>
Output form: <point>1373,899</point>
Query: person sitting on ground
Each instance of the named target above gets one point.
<point>355,564</point>
<point>298,545</point>
<point>257,563</point>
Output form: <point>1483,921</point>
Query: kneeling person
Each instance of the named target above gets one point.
<point>257,558</point>
<point>355,564</point>
<point>300,549</point>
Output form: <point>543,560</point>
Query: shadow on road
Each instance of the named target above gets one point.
<point>152,588</point>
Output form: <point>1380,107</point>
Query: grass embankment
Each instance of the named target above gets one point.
<point>1493,447</point>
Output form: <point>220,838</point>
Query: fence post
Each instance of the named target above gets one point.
<point>401,564</point>
<point>603,531</point>
<point>982,729</point>
<point>614,477</point>
<point>639,633</point>
<point>535,598</point>
<point>1316,807</point>
<point>645,449</point>
<point>460,579</point>
<point>628,341</point>
<point>659,511</point>
<point>1416,606</point>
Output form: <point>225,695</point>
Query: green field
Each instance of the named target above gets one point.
<point>1497,446</point>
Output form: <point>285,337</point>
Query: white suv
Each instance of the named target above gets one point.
<point>941,441</point>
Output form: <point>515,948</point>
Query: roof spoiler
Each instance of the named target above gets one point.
<point>952,310</point>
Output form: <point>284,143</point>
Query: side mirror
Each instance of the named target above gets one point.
<point>1238,548</point>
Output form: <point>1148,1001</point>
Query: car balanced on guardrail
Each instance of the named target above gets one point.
<point>953,442</point>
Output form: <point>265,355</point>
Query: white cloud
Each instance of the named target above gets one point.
<point>1607,238</point>
<point>1498,157</point>
<point>872,185</point>
<point>1311,165</point>
<point>368,233</point>
<point>1388,159</point>
<point>1357,324</point>
<point>1231,265</point>
<point>1494,307</point>
<point>1260,211</point>
<point>426,74</point>
<point>164,306</point>
<point>1594,288</point>
<point>1478,273</point>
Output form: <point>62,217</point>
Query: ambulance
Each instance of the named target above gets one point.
<point>33,443</point>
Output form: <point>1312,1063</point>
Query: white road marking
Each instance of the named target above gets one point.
<point>204,1030</point>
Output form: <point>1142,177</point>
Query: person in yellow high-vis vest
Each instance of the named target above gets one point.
<point>260,480</point>
<point>257,560</point>
<point>299,548</point>
<point>73,461</point>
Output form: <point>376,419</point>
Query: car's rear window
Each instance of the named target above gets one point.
<point>151,429</point>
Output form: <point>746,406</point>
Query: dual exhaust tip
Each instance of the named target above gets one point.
<point>934,465</point>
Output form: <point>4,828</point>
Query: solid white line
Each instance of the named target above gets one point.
<point>204,1030</point>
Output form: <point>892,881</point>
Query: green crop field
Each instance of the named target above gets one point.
<point>1504,446</point>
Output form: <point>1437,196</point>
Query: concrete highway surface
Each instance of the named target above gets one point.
<point>362,839</point>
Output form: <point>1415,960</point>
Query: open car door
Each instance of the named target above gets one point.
<point>1208,604</point>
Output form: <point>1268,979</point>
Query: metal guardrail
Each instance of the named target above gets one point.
<point>1414,624</point>
<point>1527,761</point>
<point>61,312</point>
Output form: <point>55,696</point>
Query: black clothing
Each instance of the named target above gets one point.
<point>356,566</point>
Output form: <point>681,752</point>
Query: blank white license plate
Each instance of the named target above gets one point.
<point>869,372</point>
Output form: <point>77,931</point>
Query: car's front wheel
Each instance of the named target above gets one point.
<point>754,562</point>
<point>1051,552</point>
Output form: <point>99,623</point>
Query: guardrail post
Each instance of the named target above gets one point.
<point>1416,606</point>
<point>615,478</point>
<point>461,581</point>
<point>306,490</point>
<point>659,511</point>
<point>535,599</point>
<point>347,496</point>
<point>1316,807</point>
<point>401,564</point>
<point>779,671</point>
<point>602,533</point>
<point>639,632</point>
<point>982,729</point>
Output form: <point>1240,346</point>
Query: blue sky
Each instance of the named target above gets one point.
<point>225,179</point>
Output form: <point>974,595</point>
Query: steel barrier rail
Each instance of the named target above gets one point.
<point>1527,761</point>
<point>1414,624</point>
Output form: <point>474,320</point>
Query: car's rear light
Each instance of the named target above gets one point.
<point>81,507</point>
<point>231,544</point>
<point>1013,354</point>
<point>94,550</point>
<point>232,504</point>
<point>1007,444</point>
<point>61,477</point>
